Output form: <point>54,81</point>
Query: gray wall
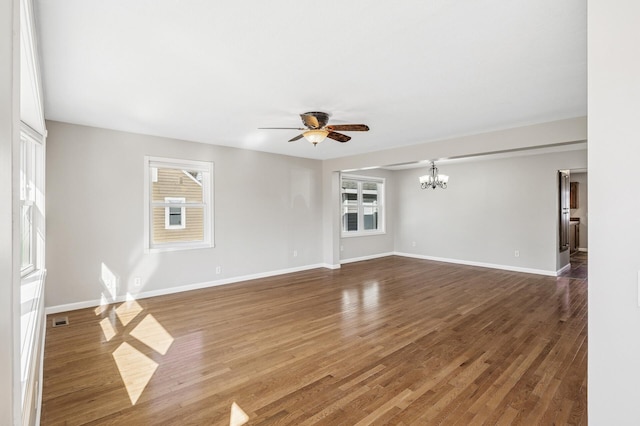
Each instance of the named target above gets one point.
<point>538,135</point>
<point>614,203</point>
<point>489,210</point>
<point>582,211</point>
<point>266,207</point>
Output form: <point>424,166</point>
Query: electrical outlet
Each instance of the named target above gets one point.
<point>218,269</point>
<point>137,282</point>
<point>295,253</point>
<point>341,247</point>
<point>413,244</point>
<point>516,253</point>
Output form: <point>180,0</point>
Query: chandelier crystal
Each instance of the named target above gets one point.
<point>434,179</point>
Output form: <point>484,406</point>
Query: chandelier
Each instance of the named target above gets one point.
<point>434,179</point>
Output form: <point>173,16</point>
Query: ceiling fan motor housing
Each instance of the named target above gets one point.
<point>315,119</point>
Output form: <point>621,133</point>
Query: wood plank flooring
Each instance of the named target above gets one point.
<point>387,341</point>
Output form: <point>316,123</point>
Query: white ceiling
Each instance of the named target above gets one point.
<point>215,71</point>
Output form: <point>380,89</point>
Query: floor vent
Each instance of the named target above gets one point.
<point>60,321</point>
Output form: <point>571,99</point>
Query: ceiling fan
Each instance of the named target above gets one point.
<point>317,129</point>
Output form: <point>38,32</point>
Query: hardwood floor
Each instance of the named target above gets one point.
<point>387,341</point>
<point>579,265</point>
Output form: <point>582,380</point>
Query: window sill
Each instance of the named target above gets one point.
<point>178,247</point>
<point>362,234</point>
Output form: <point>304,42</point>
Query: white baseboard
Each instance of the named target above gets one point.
<point>196,286</point>
<point>583,249</point>
<point>360,259</point>
<point>564,268</point>
<point>329,266</point>
<point>178,289</point>
<point>481,264</point>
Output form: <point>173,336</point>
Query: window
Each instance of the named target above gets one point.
<point>30,150</point>
<point>178,204</point>
<point>362,205</point>
<point>174,217</point>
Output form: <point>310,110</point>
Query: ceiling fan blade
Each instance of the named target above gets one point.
<point>339,137</point>
<point>281,128</point>
<point>315,119</point>
<point>349,127</point>
<point>296,138</point>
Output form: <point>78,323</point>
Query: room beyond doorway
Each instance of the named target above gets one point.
<point>579,266</point>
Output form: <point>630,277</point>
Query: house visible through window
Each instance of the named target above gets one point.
<point>362,205</point>
<point>174,217</point>
<point>178,204</point>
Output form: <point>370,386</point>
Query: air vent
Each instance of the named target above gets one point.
<point>60,321</point>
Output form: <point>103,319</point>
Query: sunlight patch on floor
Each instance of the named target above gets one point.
<point>127,311</point>
<point>151,333</point>
<point>136,369</point>
<point>238,417</point>
<point>107,328</point>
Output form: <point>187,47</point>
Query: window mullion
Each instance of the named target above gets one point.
<point>360,208</point>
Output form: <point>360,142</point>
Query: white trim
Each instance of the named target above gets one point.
<point>368,233</point>
<point>31,132</point>
<point>32,344</point>
<point>329,266</point>
<point>208,182</point>
<point>363,178</point>
<point>359,259</point>
<point>179,289</point>
<point>583,249</point>
<point>380,206</point>
<point>177,163</point>
<point>178,246</point>
<point>563,269</point>
<point>167,212</point>
<point>29,42</point>
<point>481,264</point>
<point>40,374</point>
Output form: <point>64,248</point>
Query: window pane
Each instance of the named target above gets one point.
<point>349,184</point>
<point>178,183</point>
<point>369,199</point>
<point>350,218</point>
<point>193,222</point>
<point>349,198</point>
<point>26,241</point>
<point>369,186</point>
<point>370,218</point>
<point>175,216</point>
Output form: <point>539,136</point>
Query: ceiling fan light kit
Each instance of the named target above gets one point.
<point>317,129</point>
<point>315,136</point>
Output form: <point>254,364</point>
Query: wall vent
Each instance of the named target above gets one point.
<point>60,321</point>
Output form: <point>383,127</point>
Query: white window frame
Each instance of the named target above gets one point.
<point>30,175</point>
<point>167,213</point>
<point>204,167</point>
<point>361,206</point>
